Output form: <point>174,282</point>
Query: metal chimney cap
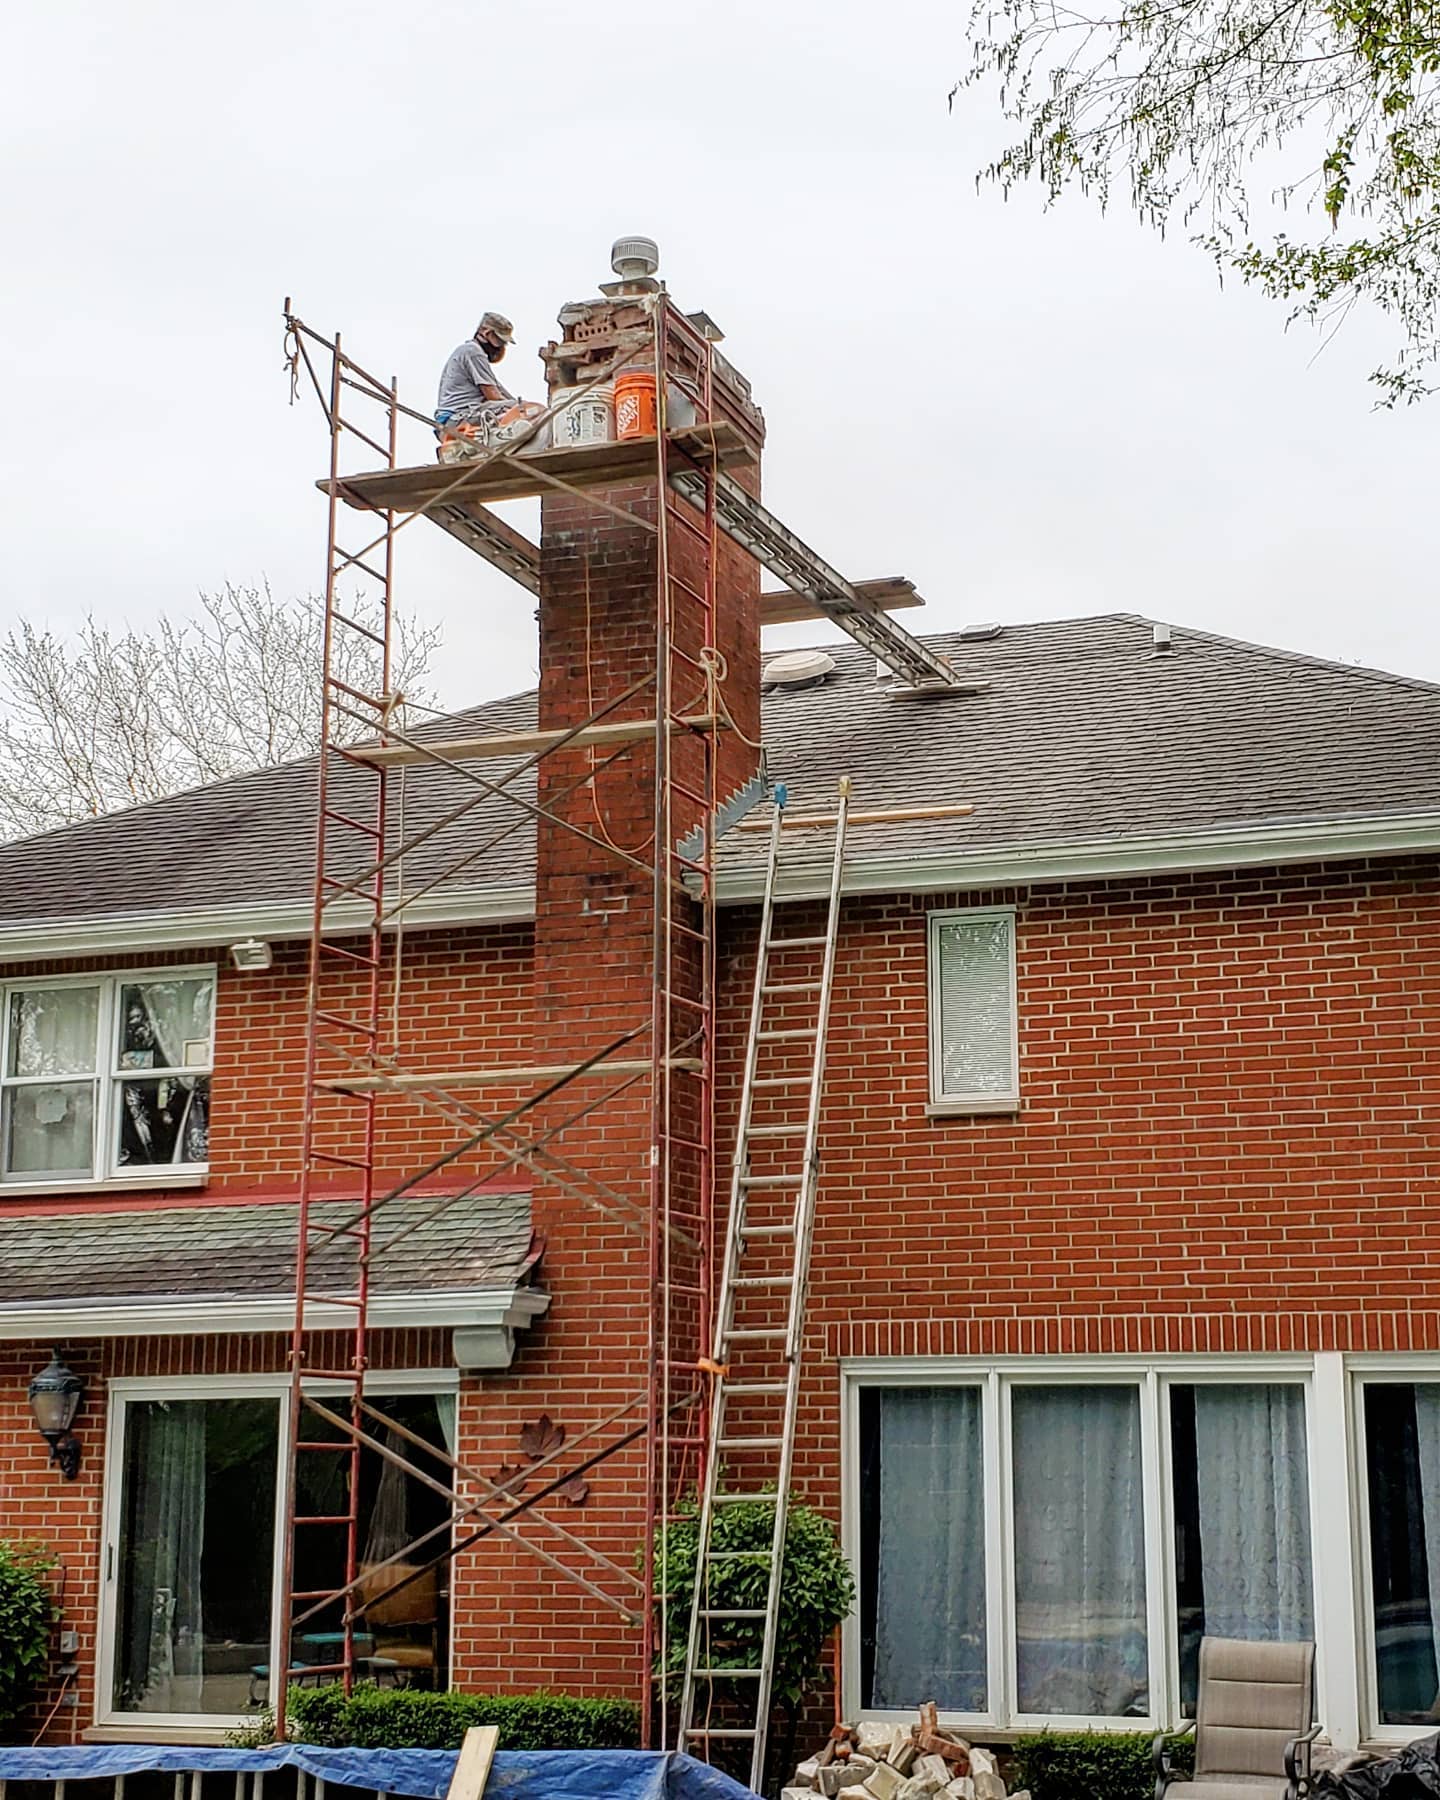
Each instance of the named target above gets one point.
<point>634,258</point>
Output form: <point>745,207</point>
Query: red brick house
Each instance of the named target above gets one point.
<point>1121,1321</point>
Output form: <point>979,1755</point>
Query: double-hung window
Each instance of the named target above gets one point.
<point>106,1077</point>
<point>974,1061</point>
<point>1048,1548</point>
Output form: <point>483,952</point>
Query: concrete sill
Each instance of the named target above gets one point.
<point>970,1109</point>
<point>206,1736</point>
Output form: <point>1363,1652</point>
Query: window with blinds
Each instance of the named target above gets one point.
<point>973,1054</point>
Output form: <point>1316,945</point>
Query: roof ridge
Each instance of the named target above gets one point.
<point>1277,653</point>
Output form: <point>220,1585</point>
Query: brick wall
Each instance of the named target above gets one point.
<point>1227,1141</point>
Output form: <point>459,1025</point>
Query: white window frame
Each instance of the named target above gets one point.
<point>123,1391</point>
<point>106,1171</point>
<point>1367,1371</point>
<point>940,1101</point>
<point>1154,1376</point>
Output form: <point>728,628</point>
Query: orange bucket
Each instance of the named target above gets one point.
<point>635,404</point>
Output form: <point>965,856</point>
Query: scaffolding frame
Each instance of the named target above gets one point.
<point>349,1073</point>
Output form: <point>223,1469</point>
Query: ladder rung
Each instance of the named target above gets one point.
<point>719,1731</point>
<point>756,1387</point>
<point>800,943</point>
<point>732,1612</point>
<point>728,1674</point>
<point>767,1231</point>
<point>793,1031</point>
<point>761,1281</point>
<point>735,1555</point>
<point>744,1443</point>
<point>779,1081</point>
<point>791,987</point>
<point>774,1131</point>
<point>771,1181</point>
<point>766,1334</point>
<point>744,1500</point>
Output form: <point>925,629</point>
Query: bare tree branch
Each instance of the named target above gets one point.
<point>104,719</point>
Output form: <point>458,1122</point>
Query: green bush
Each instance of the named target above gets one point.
<point>27,1612</point>
<point>1100,1765</point>
<point>816,1594</point>
<point>384,1718</point>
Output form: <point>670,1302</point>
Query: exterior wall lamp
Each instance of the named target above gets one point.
<point>55,1396</point>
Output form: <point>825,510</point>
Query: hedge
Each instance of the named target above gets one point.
<point>1100,1765</point>
<point>27,1612</point>
<point>384,1718</point>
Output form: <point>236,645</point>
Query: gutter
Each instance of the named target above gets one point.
<point>484,1320</point>
<point>1300,841</point>
<point>206,926</point>
<point>1223,847</point>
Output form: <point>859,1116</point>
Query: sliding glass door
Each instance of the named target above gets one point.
<point>194,1533</point>
<point>195,1557</point>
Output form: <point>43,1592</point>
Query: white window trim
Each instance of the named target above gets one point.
<point>121,1392</point>
<point>105,1172</point>
<point>1336,1704</point>
<point>940,1102</point>
<point>1366,1371</point>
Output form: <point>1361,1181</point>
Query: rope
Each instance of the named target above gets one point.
<point>594,784</point>
<point>717,672</point>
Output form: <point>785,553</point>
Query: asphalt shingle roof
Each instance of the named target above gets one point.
<point>248,1252</point>
<point>1084,735</point>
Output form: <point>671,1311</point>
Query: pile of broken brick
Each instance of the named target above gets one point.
<point>876,1761</point>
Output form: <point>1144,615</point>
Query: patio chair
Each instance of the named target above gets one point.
<point>1253,1724</point>
<point>405,1625</point>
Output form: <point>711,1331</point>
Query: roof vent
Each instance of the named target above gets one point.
<point>794,669</point>
<point>634,258</point>
<point>1160,637</point>
<point>980,634</point>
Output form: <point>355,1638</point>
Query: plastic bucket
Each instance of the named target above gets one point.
<point>588,418</point>
<point>635,403</point>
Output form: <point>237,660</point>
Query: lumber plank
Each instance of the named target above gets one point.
<point>524,743</point>
<point>472,1765</point>
<point>510,477</point>
<point>891,593</point>
<point>884,815</point>
<point>457,1078</point>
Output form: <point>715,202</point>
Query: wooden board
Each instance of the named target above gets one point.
<point>517,477</point>
<point>460,1078</point>
<point>524,743</point>
<point>892,593</point>
<point>472,1765</point>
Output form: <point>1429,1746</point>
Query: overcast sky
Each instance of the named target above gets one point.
<point>1031,415</point>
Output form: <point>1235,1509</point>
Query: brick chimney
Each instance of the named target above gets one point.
<point>593,939</point>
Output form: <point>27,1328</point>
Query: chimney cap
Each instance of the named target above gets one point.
<point>634,258</point>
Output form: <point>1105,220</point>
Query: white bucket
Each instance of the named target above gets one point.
<point>587,418</point>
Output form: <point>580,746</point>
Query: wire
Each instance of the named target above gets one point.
<point>52,1712</point>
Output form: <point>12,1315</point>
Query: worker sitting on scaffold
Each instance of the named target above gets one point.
<point>474,408</point>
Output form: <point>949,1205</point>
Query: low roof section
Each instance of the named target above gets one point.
<point>464,1263</point>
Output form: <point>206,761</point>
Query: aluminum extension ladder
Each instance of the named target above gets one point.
<point>760,1317</point>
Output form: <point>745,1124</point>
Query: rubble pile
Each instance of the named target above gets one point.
<point>875,1761</point>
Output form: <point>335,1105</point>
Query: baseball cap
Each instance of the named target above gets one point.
<point>496,325</point>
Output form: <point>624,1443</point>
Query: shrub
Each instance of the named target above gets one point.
<point>1101,1765</point>
<point>383,1718</point>
<point>817,1593</point>
<point>27,1612</point>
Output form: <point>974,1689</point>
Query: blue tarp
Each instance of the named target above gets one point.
<point>421,1774</point>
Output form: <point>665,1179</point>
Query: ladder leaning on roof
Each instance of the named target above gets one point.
<point>760,1313</point>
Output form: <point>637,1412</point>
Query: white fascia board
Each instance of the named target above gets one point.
<point>510,1307</point>
<point>1106,859</point>
<point>190,927</point>
<point>1320,840</point>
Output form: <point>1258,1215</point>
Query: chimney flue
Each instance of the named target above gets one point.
<point>635,258</point>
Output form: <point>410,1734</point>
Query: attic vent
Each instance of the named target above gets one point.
<point>794,669</point>
<point>980,634</point>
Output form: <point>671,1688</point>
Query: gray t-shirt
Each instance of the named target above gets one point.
<point>461,380</point>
